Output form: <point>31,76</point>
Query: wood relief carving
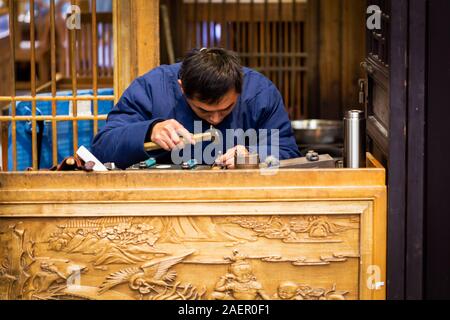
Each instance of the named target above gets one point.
<point>289,290</point>
<point>108,242</point>
<point>239,283</point>
<point>296,229</point>
<point>180,258</point>
<point>155,279</point>
<point>27,276</point>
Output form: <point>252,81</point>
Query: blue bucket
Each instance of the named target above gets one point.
<point>64,128</point>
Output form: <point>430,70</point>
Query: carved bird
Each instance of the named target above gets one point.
<point>153,273</point>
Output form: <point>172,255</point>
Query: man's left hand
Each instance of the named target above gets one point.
<point>227,160</point>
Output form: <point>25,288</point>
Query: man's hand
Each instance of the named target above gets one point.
<point>167,135</point>
<point>227,160</point>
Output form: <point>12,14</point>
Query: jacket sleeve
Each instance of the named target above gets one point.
<point>127,127</point>
<point>280,141</point>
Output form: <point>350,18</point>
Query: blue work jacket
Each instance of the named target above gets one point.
<point>157,96</point>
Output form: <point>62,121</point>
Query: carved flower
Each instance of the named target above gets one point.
<point>106,233</point>
<point>135,231</point>
<point>101,234</point>
<point>122,228</point>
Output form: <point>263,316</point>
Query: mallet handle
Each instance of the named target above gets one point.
<point>207,136</point>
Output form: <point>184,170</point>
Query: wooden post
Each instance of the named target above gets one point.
<point>136,40</point>
<point>336,46</point>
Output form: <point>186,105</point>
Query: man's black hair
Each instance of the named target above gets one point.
<point>208,74</point>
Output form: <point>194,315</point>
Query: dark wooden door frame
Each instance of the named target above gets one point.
<point>397,150</point>
<point>416,143</point>
<point>407,142</point>
<point>419,156</point>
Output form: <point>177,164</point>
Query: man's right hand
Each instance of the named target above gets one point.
<point>167,135</point>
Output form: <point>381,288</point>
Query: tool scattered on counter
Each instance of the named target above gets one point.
<point>86,156</point>
<point>212,135</point>
<point>270,162</point>
<point>83,160</point>
<point>72,163</point>
<point>312,161</point>
<point>111,166</point>
<point>218,165</point>
<point>191,164</point>
<point>164,167</point>
<point>143,165</point>
<point>242,162</point>
<point>150,162</point>
<point>246,160</point>
<point>312,156</point>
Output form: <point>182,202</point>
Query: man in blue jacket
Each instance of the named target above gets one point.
<point>171,102</point>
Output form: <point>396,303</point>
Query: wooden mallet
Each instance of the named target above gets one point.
<point>211,135</point>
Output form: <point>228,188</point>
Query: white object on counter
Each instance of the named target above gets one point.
<point>86,156</point>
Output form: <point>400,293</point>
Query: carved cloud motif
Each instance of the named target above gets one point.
<point>296,229</point>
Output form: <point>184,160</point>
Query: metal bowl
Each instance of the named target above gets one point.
<point>318,131</point>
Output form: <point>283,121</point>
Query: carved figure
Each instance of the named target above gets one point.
<point>50,279</point>
<point>239,283</point>
<point>288,290</point>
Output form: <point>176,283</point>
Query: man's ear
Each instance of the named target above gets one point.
<point>181,85</point>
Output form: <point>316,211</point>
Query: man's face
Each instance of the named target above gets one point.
<point>214,114</point>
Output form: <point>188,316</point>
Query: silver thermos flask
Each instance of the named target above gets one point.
<point>354,139</point>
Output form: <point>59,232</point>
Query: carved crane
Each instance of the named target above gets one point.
<point>146,277</point>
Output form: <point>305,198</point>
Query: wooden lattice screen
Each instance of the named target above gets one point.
<point>268,35</point>
<point>79,54</point>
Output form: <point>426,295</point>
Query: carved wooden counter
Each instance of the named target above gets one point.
<point>299,234</point>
